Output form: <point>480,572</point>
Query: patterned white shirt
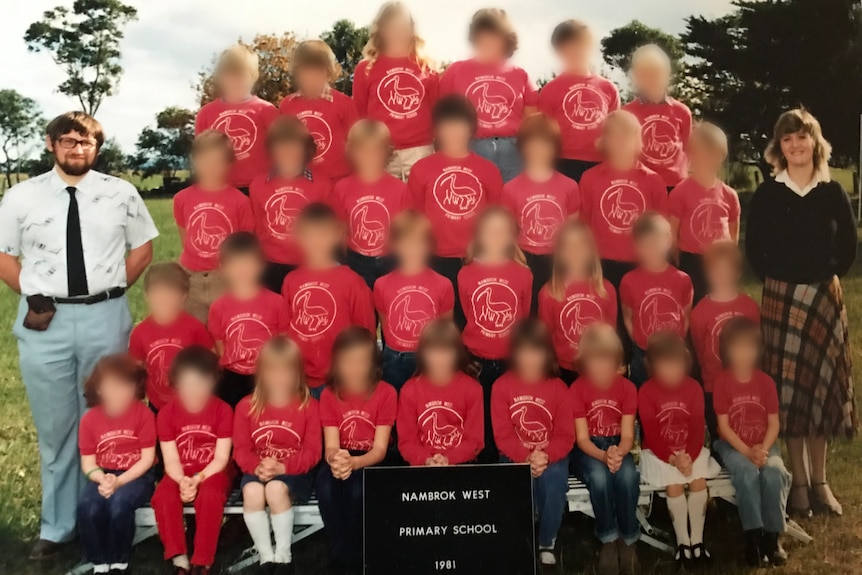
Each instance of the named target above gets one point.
<point>33,216</point>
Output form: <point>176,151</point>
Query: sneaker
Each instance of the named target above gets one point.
<point>771,546</point>
<point>609,559</point>
<point>547,557</point>
<point>629,564</point>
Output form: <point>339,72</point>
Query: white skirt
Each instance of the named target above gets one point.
<point>659,473</point>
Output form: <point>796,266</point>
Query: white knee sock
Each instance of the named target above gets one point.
<point>697,514</point>
<point>119,566</point>
<point>102,568</point>
<point>258,527</point>
<point>181,561</point>
<point>282,528</point>
<point>679,515</point>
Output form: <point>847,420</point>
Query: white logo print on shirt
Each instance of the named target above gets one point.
<point>708,222</point>
<point>577,315</point>
<point>282,209</point>
<point>584,106</point>
<point>540,220</point>
<point>314,310</point>
<point>495,307</point>
<point>207,228</point>
<point>401,93</point>
<point>622,204</point>
<point>532,422</point>
<point>369,225</point>
<point>319,130</point>
<point>659,312</point>
<point>407,317</point>
<point>660,140</point>
<point>241,130</point>
<point>244,338</point>
<point>493,99</point>
<point>441,427</point>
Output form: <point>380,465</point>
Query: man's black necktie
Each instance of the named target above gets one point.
<point>75,270</point>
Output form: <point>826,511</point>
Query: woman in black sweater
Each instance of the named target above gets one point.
<point>800,238</point>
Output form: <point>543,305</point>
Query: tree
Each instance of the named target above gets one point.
<point>85,42</point>
<point>164,149</point>
<point>766,57</point>
<point>347,42</point>
<point>111,159</point>
<point>274,81</point>
<point>20,123</point>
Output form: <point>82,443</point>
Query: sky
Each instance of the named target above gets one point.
<point>172,40</point>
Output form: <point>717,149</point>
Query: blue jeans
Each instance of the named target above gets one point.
<point>614,495</point>
<point>316,392</point>
<point>341,509</point>
<point>106,527</point>
<point>398,367</point>
<point>368,267</point>
<point>492,369</point>
<point>761,494</point>
<point>54,364</point>
<point>502,152</point>
<point>549,499</point>
<point>637,367</point>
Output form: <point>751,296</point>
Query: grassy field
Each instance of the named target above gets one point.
<point>836,550</point>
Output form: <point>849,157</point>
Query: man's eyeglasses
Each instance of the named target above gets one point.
<point>70,143</point>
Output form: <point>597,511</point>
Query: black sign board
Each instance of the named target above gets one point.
<point>471,519</point>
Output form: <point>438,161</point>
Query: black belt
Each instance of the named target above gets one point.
<point>112,293</point>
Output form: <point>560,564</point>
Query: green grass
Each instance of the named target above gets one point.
<point>837,546</point>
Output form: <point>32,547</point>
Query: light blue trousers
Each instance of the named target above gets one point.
<point>502,152</point>
<point>54,365</point>
<point>761,494</point>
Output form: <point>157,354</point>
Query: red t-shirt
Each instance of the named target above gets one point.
<point>208,218</point>
<point>500,92</point>
<point>604,408</point>
<point>117,441</point>
<point>672,419</point>
<point>195,433</point>
<point>328,119</point>
<point>580,308</point>
<point>291,435</point>
<point>445,419</point>
<point>368,210</point>
<point>705,215</point>
<point>527,417</point>
<point>493,299</point>
<point>357,417</point>
<point>275,204</point>
<point>580,105</point>
<point>407,303</point>
<point>399,93</point>
<point>244,326</point>
<point>541,208</point>
<point>321,303</point>
<point>708,319</point>
<point>452,192</point>
<point>613,200</point>
<point>156,346</point>
<point>747,405</point>
<point>659,301</point>
<point>246,124</point>
<point>665,129</point>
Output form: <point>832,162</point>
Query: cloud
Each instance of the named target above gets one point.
<point>174,39</point>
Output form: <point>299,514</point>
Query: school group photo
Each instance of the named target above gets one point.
<point>428,263</point>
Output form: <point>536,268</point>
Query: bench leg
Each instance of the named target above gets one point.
<point>80,569</point>
<point>796,531</point>
<point>653,542</point>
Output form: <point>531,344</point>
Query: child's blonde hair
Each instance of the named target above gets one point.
<point>366,131</point>
<point>374,48</point>
<point>474,249</point>
<point>600,340</point>
<point>412,223</point>
<point>280,351</point>
<point>710,136</point>
<point>557,283</point>
<point>315,54</point>
<point>213,140</point>
<point>239,58</point>
<point>651,55</point>
<point>619,119</point>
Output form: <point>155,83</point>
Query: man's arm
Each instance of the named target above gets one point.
<point>137,261</point>
<point>10,272</point>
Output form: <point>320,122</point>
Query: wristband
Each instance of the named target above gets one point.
<point>92,471</point>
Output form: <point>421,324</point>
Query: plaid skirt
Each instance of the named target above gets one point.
<point>807,352</point>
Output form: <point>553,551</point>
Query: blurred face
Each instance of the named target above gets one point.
<point>651,80</point>
<point>234,85</point>
<point>670,372</point>
<point>622,144</point>
<point>798,149</point>
<point>539,153</point>
<point>577,254</point>
<point>288,158</point>
<point>280,381</point>
<point>453,136</point>
<point>354,365</point>
<point>165,302</point>
<point>74,153</point>
<point>653,249</point>
<point>242,270</point>
<point>743,355</point>
<point>210,166</point>
<point>576,55</point>
<point>496,237</point>
<point>312,80</point>
<point>319,241</point>
<point>413,250</point>
<point>601,369</point>
<point>723,276</point>
<point>703,158</point>
<point>397,34</point>
<point>370,157</point>
<point>194,389</point>
<point>489,47</point>
<point>440,363</point>
<point>531,362</point>
<point>116,394</point>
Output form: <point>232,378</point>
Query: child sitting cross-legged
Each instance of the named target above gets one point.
<point>604,404</point>
<point>670,405</point>
<point>195,436</point>
<point>746,404</point>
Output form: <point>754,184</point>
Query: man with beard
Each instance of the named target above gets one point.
<point>71,241</point>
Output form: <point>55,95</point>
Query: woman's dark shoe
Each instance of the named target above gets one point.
<point>824,502</point>
<point>267,568</point>
<point>700,555</point>
<point>682,555</point>
<point>180,571</point>
<point>44,549</point>
<point>799,506</point>
<point>772,547</point>
<point>284,569</point>
<point>755,552</point>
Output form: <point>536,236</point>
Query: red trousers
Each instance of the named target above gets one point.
<point>209,510</point>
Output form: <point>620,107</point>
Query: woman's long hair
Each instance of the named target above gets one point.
<point>557,283</point>
<point>283,352</point>
<point>374,48</point>
<point>793,122</point>
<point>474,250</point>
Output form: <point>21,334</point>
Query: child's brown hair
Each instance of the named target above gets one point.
<point>353,337</point>
<point>120,365</point>
<point>444,333</point>
<point>409,224</point>
<point>570,31</point>
<point>723,251</point>
<point>666,346</point>
<point>648,224</point>
<point>240,244</point>
<point>315,53</point>
<point>280,351</point>
<point>736,330</point>
<point>533,333</point>
<point>213,140</point>
<point>494,21</point>
<point>197,359</point>
<point>557,283</point>
<point>474,250</point>
<point>169,274</point>
<point>366,131</point>
<point>600,340</point>
<point>711,136</point>
<point>539,127</point>
<point>619,119</point>
<point>291,130</point>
